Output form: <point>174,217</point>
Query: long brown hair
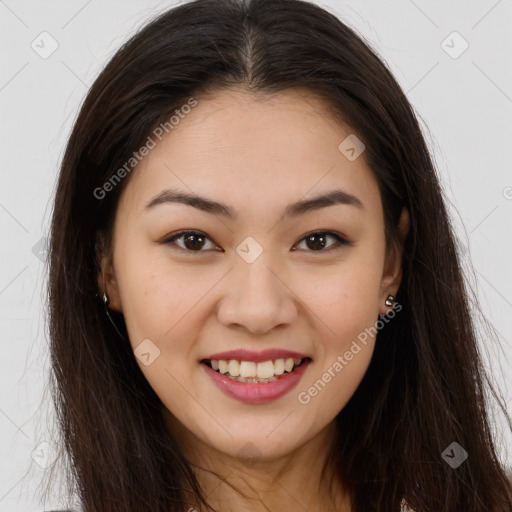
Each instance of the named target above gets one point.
<point>425,386</point>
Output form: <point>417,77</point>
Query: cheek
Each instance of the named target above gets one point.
<point>345,349</point>
<point>344,300</point>
<point>346,308</point>
<point>157,296</point>
<point>162,303</point>
<point>329,388</point>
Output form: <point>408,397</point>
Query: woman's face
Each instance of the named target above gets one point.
<point>254,280</point>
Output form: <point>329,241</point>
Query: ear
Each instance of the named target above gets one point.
<point>392,275</point>
<point>106,275</point>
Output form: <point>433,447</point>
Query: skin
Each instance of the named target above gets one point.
<point>257,154</point>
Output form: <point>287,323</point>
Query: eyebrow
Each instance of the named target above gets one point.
<point>334,197</point>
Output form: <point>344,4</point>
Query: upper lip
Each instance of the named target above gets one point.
<point>257,357</point>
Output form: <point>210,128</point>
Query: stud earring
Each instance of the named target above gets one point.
<point>390,300</point>
<point>106,303</point>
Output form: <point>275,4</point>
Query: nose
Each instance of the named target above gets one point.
<point>257,298</point>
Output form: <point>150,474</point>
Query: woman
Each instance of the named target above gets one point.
<point>256,298</point>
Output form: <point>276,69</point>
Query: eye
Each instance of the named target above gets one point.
<point>318,239</point>
<point>195,241</point>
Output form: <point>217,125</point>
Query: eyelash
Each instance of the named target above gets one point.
<point>340,241</point>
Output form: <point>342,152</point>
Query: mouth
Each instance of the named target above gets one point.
<point>251,372</point>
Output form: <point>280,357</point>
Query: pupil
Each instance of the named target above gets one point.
<point>189,243</point>
<point>314,245</point>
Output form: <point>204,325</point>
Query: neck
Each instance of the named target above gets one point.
<point>293,481</point>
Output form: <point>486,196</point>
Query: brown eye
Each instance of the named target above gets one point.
<point>196,241</point>
<point>193,241</point>
<point>317,241</point>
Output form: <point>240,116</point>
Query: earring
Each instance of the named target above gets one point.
<point>105,303</point>
<point>390,300</point>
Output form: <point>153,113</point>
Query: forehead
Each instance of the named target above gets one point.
<point>253,147</point>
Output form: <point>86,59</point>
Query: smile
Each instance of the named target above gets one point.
<point>250,371</point>
<point>278,377</point>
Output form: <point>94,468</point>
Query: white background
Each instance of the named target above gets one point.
<point>466,103</point>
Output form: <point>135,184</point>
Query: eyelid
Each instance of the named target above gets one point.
<point>341,240</point>
<point>170,239</point>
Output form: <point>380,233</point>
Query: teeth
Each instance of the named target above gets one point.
<point>253,380</point>
<point>223,366</point>
<point>246,371</point>
<point>265,370</point>
<point>279,366</point>
<point>234,368</point>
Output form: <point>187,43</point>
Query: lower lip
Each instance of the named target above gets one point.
<point>254,393</point>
